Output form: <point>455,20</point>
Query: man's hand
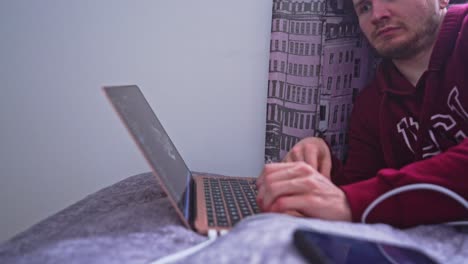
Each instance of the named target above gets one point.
<point>313,151</point>
<point>297,187</point>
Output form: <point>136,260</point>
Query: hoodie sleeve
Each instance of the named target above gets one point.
<point>447,169</point>
<point>366,176</point>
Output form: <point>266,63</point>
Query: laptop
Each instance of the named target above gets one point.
<point>202,202</point>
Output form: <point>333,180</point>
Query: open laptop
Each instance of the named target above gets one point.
<point>202,202</point>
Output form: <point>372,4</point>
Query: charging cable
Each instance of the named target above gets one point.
<point>412,187</point>
<point>418,186</point>
<point>212,235</point>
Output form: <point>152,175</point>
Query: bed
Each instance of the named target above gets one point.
<point>132,221</point>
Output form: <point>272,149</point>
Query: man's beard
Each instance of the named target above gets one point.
<point>420,40</point>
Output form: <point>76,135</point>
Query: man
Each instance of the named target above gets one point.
<point>408,126</point>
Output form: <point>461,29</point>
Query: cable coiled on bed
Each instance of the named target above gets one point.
<point>412,187</point>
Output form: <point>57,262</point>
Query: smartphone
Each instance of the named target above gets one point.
<point>324,248</point>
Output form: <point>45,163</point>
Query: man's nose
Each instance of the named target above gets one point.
<point>380,12</point>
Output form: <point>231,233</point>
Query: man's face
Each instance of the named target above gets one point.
<point>399,29</point>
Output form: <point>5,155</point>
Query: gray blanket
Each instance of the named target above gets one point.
<point>133,222</point>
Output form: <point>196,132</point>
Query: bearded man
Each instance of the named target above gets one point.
<point>409,126</point>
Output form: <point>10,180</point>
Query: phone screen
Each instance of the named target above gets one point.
<point>324,248</point>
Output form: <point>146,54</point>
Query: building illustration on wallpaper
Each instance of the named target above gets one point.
<point>319,61</point>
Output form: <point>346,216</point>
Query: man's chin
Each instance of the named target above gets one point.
<point>396,51</point>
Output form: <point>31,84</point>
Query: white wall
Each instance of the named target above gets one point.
<point>196,61</point>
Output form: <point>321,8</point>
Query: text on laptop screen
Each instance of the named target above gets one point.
<point>153,140</point>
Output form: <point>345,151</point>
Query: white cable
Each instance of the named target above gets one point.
<point>457,223</point>
<point>385,254</point>
<point>212,235</point>
<point>412,187</point>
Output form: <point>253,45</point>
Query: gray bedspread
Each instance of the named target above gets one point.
<point>133,222</point>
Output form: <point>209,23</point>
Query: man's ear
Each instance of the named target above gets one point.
<point>443,3</point>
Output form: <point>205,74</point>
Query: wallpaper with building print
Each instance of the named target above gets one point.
<point>319,61</point>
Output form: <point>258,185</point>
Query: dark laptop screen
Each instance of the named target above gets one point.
<point>153,140</point>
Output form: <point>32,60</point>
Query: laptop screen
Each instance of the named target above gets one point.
<point>154,142</point>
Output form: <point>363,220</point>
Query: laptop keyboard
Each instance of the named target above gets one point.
<point>229,200</point>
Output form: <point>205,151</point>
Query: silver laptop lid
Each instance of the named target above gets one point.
<point>155,144</point>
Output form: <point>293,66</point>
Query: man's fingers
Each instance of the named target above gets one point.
<point>292,187</point>
<point>297,153</point>
<point>311,158</point>
<point>305,153</point>
<point>331,205</point>
<point>292,156</point>
<point>259,198</point>
<point>325,168</point>
<point>284,172</point>
<point>268,168</point>
<point>280,173</point>
<point>296,203</point>
<point>269,171</point>
<point>293,213</point>
<point>287,158</point>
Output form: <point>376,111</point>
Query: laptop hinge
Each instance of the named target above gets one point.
<point>193,203</point>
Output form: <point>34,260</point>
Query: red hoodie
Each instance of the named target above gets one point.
<point>400,134</point>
